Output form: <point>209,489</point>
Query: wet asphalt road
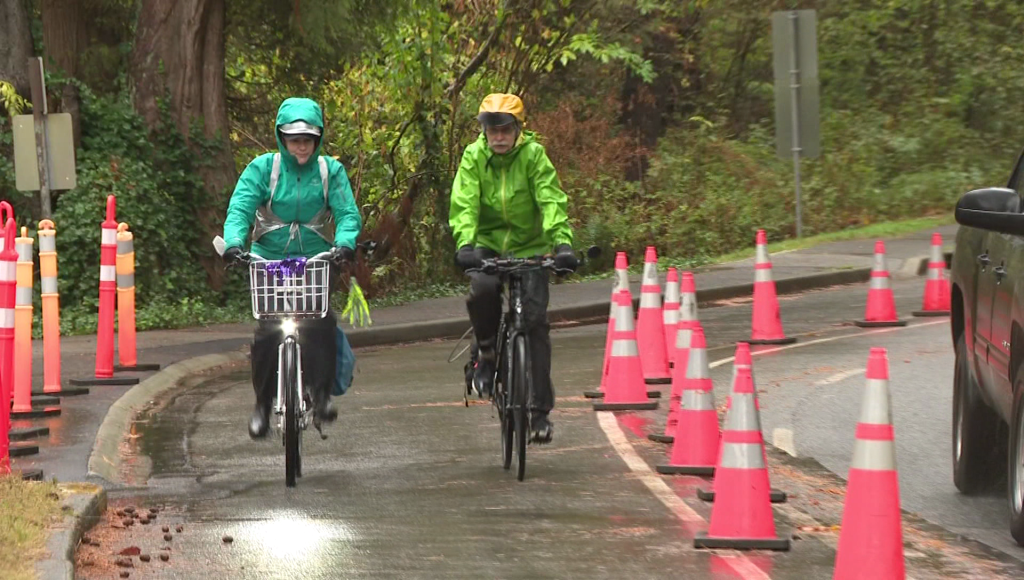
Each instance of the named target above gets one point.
<point>409,483</point>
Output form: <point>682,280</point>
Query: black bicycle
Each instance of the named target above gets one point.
<point>512,381</point>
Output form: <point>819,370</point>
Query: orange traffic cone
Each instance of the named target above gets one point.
<point>881,307</point>
<point>936,289</point>
<point>695,443</point>
<point>742,360</point>
<point>621,283</point>
<point>670,312</point>
<point>766,323</point>
<point>871,540</point>
<point>649,326</point>
<point>742,516</point>
<point>681,354</point>
<point>624,389</point>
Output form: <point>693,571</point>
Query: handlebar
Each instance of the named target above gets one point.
<point>509,265</point>
<point>332,255</point>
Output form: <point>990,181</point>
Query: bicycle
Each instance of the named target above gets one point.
<point>290,291</point>
<point>512,381</point>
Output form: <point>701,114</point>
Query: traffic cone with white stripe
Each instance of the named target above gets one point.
<point>680,356</point>
<point>742,360</point>
<point>670,311</point>
<point>871,537</point>
<point>21,407</point>
<point>650,330</point>
<point>936,289</point>
<point>625,388</point>
<point>881,307</point>
<point>742,515</point>
<point>104,374</point>
<point>766,322</point>
<point>695,441</point>
<point>621,283</point>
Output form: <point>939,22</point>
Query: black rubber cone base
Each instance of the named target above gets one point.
<point>776,496</point>
<point>661,438</point>
<point>648,406</point>
<point>36,413</point>
<point>137,368</point>
<point>112,382</point>
<point>593,394</point>
<point>686,470</point>
<point>659,381</point>
<point>703,541</point>
<point>24,450</point>
<point>936,313</point>
<point>28,433</point>
<point>32,474</point>
<point>38,399</point>
<point>63,392</point>
<point>783,340</point>
<point>879,324</point>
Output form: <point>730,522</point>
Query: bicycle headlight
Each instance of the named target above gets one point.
<point>288,326</point>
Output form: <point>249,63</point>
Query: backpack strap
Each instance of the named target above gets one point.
<point>275,174</point>
<point>324,173</point>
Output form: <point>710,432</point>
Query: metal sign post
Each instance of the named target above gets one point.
<point>796,92</point>
<point>38,83</point>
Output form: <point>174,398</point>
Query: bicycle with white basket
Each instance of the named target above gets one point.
<point>289,291</point>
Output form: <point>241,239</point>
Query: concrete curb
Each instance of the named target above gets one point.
<point>86,503</point>
<point>105,460</point>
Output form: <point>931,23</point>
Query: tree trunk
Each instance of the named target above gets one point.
<point>17,45</point>
<point>179,52</point>
<point>61,50</point>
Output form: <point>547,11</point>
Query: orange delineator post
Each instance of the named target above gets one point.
<point>108,289</point>
<point>51,313</point>
<point>7,272</point>
<point>23,326</point>
<point>126,344</point>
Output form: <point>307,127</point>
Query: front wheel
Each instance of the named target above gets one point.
<point>290,372</point>
<point>1015,461</point>
<point>520,390</point>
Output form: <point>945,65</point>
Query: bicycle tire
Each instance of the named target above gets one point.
<point>520,388</point>
<point>501,402</point>
<point>290,371</point>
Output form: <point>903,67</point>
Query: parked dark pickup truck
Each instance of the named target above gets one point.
<point>988,334</point>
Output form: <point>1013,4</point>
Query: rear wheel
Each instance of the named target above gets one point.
<point>290,371</point>
<point>975,430</point>
<point>521,385</point>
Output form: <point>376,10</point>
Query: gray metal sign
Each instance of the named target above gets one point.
<point>795,59</point>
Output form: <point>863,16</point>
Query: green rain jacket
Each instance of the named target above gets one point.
<point>298,198</point>
<point>511,203</point>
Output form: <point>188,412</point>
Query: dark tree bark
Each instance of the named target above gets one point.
<point>61,49</point>
<point>16,47</point>
<point>179,53</point>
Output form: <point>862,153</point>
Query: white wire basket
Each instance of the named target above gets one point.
<point>292,288</point>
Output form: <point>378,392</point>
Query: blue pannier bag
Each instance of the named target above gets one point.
<point>346,364</point>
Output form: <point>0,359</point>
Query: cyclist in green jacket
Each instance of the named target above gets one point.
<point>507,200</point>
<point>294,203</point>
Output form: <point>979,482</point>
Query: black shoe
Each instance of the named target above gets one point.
<point>541,430</point>
<point>259,423</point>
<point>483,377</point>
<point>324,413</point>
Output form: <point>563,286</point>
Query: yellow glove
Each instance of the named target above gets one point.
<point>356,309</point>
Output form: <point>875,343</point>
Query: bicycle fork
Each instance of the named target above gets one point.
<point>282,381</point>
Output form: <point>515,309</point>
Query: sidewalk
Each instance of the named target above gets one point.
<point>64,454</point>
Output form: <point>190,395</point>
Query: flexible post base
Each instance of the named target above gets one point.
<point>38,399</point>
<point>112,382</point>
<point>661,438</point>
<point>703,541</point>
<point>686,469</point>
<point>924,313</point>
<point>783,340</point>
<point>32,474</point>
<point>879,323</point>
<point>137,368</point>
<point>649,406</point>
<point>658,381</point>
<point>28,433</point>
<point>776,496</point>
<point>24,450</point>
<point>63,392</point>
<point>600,394</point>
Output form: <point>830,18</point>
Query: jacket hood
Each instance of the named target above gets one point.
<point>299,109</point>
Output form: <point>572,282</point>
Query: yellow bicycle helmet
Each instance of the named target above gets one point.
<point>499,109</point>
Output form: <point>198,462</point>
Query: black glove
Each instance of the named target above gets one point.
<point>565,259</point>
<point>232,255</point>
<point>343,254</point>
<point>467,258</point>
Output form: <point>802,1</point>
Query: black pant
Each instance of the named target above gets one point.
<point>319,358</point>
<point>484,305</point>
